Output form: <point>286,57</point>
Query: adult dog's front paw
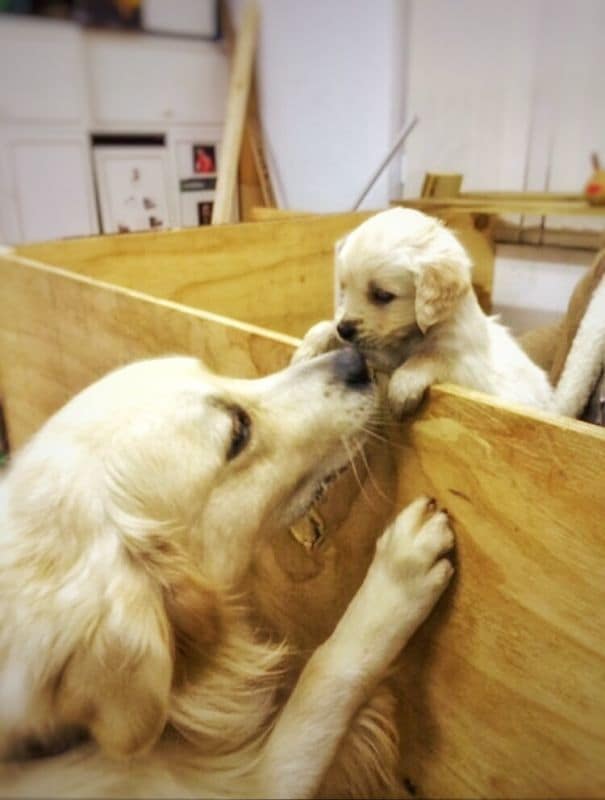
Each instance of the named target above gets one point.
<point>406,390</point>
<point>318,339</point>
<point>410,555</point>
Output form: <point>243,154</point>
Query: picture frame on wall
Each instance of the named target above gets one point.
<point>133,189</point>
<point>204,212</point>
<point>204,159</point>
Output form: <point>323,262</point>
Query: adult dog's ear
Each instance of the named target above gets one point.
<point>117,681</point>
<point>194,611</point>
<point>439,286</point>
<point>191,605</point>
<point>153,626</point>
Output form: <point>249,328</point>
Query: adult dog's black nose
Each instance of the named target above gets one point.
<point>347,330</point>
<point>351,367</point>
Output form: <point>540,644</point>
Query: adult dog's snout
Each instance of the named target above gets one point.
<point>351,368</point>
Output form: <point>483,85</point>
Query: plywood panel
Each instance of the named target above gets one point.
<point>59,332</point>
<point>503,692</point>
<point>276,274</point>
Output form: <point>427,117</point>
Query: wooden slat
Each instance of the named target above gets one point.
<point>239,90</point>
<point>441,185</point>
<point>519,205</point>
<point>549,197</point>
<point>575,239</point>
<point>59,332</point>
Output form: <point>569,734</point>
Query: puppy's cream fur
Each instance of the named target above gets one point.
<point>128,524</point>
<point>431,328</point>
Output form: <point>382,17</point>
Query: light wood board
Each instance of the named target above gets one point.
<point>59,332</point>
<point>239,89</point>
<point>276,275</point>
<point>503,694</point>
<point>507,205</point>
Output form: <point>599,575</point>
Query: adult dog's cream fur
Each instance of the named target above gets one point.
<point>406,301</point>
<point>127,526</point>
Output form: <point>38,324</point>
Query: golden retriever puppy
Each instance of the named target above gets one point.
<point>127,525</point>
<point>406,301</point>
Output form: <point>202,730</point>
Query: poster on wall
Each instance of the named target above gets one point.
<point>204,159</point>
<point>133,190</point>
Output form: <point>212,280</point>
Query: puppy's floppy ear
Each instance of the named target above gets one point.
<point>439,285</point>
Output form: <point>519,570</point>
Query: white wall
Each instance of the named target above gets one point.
<point>509,94</point>
<point>471,83</point>
<point>331,82</point>
<point>532,285</point>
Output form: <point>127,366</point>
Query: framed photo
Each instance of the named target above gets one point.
<point>133,188</point>
<point>204,212</point>
<point>204,159</point>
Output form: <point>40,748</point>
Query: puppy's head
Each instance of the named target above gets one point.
<point>399,273</point>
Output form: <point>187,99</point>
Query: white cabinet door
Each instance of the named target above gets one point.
<point>143,81</point>
<point>41,72</point>
<point>49,188</point>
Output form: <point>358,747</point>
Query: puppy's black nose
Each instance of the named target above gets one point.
<point>347,330</point>
<point>351,368</point>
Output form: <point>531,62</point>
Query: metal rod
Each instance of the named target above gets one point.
<point>399,140</point>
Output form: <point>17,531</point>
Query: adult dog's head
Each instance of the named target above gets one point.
<point>399,274</point>
<point>128,512</point>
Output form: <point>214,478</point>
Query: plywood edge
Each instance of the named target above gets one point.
<point>447,396</point>
<point>540,207</point>
<point>206,237</point>
<point>206,315</point>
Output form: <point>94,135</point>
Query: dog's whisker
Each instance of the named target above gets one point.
<point>356,473</point>
<point>371,478</point>
<point>381,438</point>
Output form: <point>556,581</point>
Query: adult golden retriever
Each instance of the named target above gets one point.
<point>127,524</point>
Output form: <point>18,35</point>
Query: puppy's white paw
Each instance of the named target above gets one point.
<point>406,390</point>
<point>318,339</point>
<point>410,556</point>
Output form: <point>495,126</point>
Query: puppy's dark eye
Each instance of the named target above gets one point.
<point>380,296</point>
<point>240,432</point>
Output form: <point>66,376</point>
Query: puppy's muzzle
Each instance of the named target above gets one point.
<point>347,330</point>
<point>351,368</point>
